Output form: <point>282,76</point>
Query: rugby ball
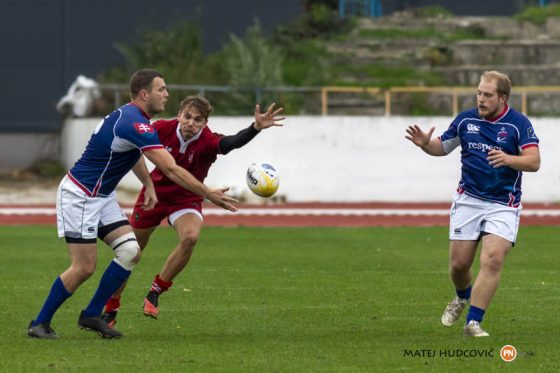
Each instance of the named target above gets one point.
<point>262,179</point>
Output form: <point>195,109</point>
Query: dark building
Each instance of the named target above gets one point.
<point>46,44</point>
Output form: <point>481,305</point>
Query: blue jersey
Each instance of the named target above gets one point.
<point>113,149</point>
<point>510,132</point>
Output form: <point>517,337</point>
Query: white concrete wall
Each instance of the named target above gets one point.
<point>336,159</point>
<point>19,151</point>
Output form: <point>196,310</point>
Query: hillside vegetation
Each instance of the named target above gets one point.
<point>420,47</point>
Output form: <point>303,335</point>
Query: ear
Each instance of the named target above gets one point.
<point>503,99</point>
<point>144,95</point>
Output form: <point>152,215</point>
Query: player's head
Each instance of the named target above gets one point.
<point>492,93</point>
<point>147,89</point>
<point>193,115</point>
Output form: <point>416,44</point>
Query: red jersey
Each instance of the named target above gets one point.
<point>195,155</point>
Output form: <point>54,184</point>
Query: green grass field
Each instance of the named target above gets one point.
<point>287,299</point>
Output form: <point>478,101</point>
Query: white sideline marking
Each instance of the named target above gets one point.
<point>293,212</point>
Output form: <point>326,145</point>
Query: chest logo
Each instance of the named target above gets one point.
<point>502,135</point>
<point>472,128</point>
<point>191,156</point>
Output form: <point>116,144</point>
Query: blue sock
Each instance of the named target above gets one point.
<point>111,280</point>
<point>464,294</point>
<point>475,313</point>
<point>56,297</point>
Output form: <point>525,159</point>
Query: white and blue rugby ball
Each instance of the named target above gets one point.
<point>262,179</point>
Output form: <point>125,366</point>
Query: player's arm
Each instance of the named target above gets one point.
<point>262,121</point>
<point>165,162</point>
<point>142,173</point>
<point>424,140</point>
<point>529,159</point>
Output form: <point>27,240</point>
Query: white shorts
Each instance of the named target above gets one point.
<point>79,216</point>
<point>471,216</point>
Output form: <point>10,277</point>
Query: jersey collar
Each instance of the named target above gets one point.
<point>141,111</point>
<point>499,116</point>
<point>184,144</point>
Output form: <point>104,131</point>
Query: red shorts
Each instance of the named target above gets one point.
<point>144,219</point>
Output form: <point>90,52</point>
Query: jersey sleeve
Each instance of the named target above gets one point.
<point>450,138</point>
<point>527,135</point>
<point>142,135</point>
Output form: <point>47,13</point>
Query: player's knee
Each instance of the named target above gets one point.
<point>85,271</point>
<point>459,267</point>
<point>188,241</point>
<point>493,263</point>
<point>127,251</point>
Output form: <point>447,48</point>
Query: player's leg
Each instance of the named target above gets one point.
<point>114,230</point>
<point>82,266</point>
<point>143,223</point>
<point>114,303</point>
<point>187,225</point>
<point>492,257</point>
<point>500,230</point>
<point>77,219</point>
<point>466,216</point>
<point>461,257</point>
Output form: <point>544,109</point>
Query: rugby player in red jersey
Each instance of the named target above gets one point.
<point>195,147</point>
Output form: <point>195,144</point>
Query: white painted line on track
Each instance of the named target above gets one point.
<point>47,211</point>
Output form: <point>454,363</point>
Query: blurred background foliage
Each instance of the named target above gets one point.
<point>295,54</point>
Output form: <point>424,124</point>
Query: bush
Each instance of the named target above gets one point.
<point>537,14</point>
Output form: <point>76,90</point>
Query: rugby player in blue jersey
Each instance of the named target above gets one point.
<point>497,144</point>
<point>87,208</point>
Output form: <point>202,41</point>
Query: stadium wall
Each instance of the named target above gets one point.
<point>345,159</point>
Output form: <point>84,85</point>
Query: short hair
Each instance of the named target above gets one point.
<point>201,104</point>
<point>143,79</point>
<point>503,81</point>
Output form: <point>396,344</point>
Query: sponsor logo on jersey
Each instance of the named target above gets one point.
<point>91,229</point>
<point>458,231</point>
<point>502,135</point>
<point>473,128</point>
<point>482,146</point>
<point>191,157</point>
<point>169,149</point>
<point>143,128</point>
<point>531,133</point>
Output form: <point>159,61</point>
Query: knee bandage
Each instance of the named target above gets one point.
<point>126,250</point>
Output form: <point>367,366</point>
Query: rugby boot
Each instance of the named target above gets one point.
<point>151,305</point>
<point>42,331</point>
<point>473,329</point>
<point>453,311</point>
<point>98,325</point>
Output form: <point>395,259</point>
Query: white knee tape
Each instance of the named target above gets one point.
<point>126,249</point>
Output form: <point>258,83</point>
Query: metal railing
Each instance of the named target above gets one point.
<point>454,92</point>
<point>201,90</point>
<point>387,95</point>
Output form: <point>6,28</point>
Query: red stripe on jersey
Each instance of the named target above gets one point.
<point>531,145</point>
<point>79,185</point>
<point>151,147</point>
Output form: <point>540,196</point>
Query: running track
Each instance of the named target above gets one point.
<point>308,214</point>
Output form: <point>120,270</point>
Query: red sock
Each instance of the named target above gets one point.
<point>159,285</point>
<point>113,304</point>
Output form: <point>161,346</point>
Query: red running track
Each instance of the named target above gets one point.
<point>308,214</point>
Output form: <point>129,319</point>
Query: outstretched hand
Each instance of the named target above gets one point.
<point>220,199</point>
<point>268,118</point>
<point>419,137</point>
